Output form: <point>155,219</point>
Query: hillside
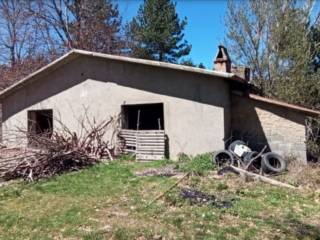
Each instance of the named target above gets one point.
<point>110,202</point>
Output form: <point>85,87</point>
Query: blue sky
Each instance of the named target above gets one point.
<point>205,29</point>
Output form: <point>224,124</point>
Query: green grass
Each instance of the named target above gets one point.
<point>199,164</point>
<point>108,201</point>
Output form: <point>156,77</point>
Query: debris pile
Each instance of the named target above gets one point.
<point>240,155</point>
<point>63,151</point>
<point>166,171</point>
<point>240,159</point>
<point>198,197</point>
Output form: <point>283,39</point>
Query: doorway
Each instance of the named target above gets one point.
<point>40,123</point>
<point>143,116</point>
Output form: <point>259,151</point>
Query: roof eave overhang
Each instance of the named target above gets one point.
<point>39,73</point>
<point>307,111</point>
<point>75,53</point>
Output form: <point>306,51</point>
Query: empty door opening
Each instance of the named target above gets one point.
<point>40,122</point>
<point>143,117</point>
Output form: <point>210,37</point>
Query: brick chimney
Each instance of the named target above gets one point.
<point>222,62</point>
<point>242,72</point>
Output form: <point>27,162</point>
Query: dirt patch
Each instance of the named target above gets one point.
<point>198,197</point>
<point>167,171</point>
<point>304,176</point>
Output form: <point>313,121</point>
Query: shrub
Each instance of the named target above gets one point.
<point>199,164</point>
<point>313,138</point>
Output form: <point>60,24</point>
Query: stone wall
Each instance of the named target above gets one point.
<point>260,123</point>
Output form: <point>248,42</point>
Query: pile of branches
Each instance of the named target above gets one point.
<point>61,151</point>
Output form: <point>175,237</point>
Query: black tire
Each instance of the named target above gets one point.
<point>256,164</point>
<point>273,162</point>
<point>222,158</point>
<point>234,143</point>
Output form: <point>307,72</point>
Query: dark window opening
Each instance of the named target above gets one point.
<point>40,123</point>
<point>143,117</point>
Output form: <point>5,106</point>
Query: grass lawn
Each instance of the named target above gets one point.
<point>109,202</point>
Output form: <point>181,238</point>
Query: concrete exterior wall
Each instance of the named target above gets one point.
<point>196,107</point>
<point>259,123</point>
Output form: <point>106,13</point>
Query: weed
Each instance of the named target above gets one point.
<point>122,234</point>
<point>222,186</point>
<point>200,164</point>
<point>93,236</point>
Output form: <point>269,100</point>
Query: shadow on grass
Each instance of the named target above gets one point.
<point>298,229</point>
<point>302,230</point>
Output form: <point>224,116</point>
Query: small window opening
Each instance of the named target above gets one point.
<point>40,123</point>
<point>143,117</point>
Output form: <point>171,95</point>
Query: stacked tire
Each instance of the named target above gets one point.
<point>270,162</point>
<point>273,163</point>
<point>222,158</point>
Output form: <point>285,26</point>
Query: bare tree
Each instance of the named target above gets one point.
<point>18,37</point>
<point>272,37</point>
<point>11,74</point>
<point>34,33</point>
<point>83,24</point>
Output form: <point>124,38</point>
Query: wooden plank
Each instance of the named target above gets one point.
<point>148,157</point>
<point>129,150</point>
<point>150,154</point>
<point>129,140</point>
<point>150,151</point>
<point>150,144</point>
<point>150,134</point>
<point>124,142</point>
<point>128,137</point>
<point>160,144</point>
<point>151,131</point>
<point>142,131</point>
<point>128,134</point>
<point>150,138</point>
<point>130,145</point>
<point>147,140</point>
<point>128,131</point>
<point>139,147</point>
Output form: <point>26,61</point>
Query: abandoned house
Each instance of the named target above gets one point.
<point>165,109</point>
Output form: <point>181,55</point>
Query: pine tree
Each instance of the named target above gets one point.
<point>157,33</point>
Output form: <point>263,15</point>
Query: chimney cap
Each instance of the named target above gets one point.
<point>222,55</point>
<point>222,61</point>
